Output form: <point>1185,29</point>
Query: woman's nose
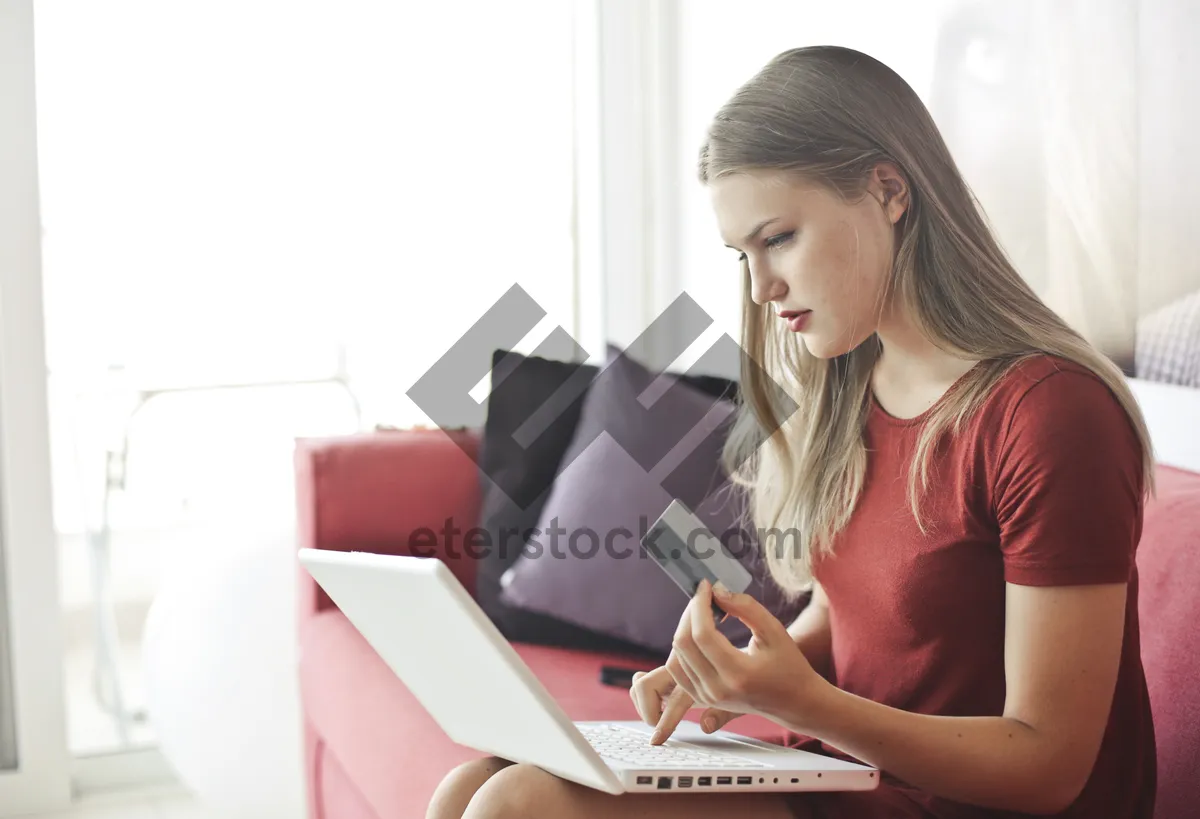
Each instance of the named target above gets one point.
<point>765,288</point>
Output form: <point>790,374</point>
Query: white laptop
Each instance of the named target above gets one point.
<point>433,635</point>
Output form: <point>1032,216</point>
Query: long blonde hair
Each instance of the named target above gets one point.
<point>832,114</point>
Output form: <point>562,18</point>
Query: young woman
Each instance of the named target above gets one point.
<point>965,478</point>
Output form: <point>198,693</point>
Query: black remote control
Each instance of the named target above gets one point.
<point>617,677</point>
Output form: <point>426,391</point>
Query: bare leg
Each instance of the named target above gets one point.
<point>452,796</point>
<point>528,792</point>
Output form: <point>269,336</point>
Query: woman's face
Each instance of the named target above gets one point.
<point>811,253</point>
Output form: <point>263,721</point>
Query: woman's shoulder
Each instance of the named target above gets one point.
<point>1032,370</point>
<point>1051,401</point>
<point>1043,377</point>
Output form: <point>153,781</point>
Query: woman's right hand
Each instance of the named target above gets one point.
<point>661,703</point>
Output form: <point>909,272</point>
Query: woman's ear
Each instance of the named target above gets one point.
<point>890,189</point>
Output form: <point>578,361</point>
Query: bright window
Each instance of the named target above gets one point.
<point>265,220</point>
<point>256,192</point>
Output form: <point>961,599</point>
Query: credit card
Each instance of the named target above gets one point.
<point>689,552</point>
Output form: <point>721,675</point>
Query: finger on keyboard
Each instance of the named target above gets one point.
<point>674,709</point>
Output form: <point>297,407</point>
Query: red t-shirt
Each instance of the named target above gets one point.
<point>1043,487</point>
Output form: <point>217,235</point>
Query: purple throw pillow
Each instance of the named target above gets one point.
<point>623,467</point>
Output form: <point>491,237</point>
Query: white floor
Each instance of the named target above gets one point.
<point>157,804</point>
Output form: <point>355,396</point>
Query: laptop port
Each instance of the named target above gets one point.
<point>745,780</point>
<point>724,780</point>
<point>704,781</point>
<point>795,780</point>
<point>645,780</point>
<point>664,783</point>
<point>684,782</point>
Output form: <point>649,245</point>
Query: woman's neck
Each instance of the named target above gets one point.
<point>912,372</point>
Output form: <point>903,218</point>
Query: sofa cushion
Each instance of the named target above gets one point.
<point>390,747</point>
<point>623,468</point>
<point>1168,561</point>
<point>516,480</point>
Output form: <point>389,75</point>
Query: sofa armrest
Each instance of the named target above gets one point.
<point>389,492</point>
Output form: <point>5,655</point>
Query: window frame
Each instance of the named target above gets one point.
<point>30,571</point>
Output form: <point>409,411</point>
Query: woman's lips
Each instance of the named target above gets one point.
<point>796,319</point>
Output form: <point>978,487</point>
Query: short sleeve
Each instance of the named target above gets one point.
<point>1068,485</point>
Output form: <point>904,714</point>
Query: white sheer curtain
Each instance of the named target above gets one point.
<point>1073,121</point>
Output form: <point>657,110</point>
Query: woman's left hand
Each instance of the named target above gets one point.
<point>770,677</point>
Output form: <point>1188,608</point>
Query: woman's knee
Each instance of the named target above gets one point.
<point>456,789</point>
<point>519,792</point>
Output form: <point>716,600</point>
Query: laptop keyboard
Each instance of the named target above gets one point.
<point>631,747</point>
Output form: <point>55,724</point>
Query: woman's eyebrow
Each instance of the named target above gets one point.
<point>757,229</point>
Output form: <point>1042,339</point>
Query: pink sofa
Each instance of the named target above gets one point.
<point>373,753</point>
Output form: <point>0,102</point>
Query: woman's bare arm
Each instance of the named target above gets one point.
<point>1062,650</point>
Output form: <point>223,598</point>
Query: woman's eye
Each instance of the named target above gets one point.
<point>779,239</point>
